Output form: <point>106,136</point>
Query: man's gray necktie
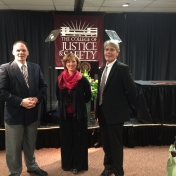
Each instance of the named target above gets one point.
<point>24,71</point>
<point>102,85</point>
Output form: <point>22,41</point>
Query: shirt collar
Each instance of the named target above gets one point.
<point>20,64</point>
<point>111,64</point>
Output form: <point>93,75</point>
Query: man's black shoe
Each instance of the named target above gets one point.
<point>106,172</point>
<point>38,172</point>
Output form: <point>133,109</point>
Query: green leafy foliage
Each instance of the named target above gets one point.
<point>93,84</point>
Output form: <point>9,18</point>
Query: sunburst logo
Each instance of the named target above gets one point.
<point>78,29</point>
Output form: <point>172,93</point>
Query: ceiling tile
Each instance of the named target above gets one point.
<point>92,3</point>
<point>65,8</point>
<point>30,7</point>
<point>91,9</point>
<point>29,2</point>
<point>109,6</point>
<point>166,0</point>
<point>4,7</point>
<point>162,4</point>
<point>119,10</point>
<point>131,4</point>
<point>64,2</point>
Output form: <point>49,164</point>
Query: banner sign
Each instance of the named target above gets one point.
<point>81,35</point>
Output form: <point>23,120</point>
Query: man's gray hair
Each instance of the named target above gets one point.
<point>112,43</point>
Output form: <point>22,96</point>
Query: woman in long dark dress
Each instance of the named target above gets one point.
<point>73,92</point>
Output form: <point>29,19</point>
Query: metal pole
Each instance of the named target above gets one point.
<point>50,92</point>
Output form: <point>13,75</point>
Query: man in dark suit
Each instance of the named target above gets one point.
<point>21,92</point>
<point>116,91</point>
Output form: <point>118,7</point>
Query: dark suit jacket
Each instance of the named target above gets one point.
<point>13,89</point>
<point>119,92</point>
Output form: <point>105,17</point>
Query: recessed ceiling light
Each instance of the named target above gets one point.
<point>125,5</point>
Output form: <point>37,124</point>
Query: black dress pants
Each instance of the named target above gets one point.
<point>112,142</point>
<point>74,146</point>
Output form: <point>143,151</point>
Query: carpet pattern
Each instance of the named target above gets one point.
<point>138,161</point>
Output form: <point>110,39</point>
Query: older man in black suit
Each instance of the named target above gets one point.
<point>116,91</point>
<point>22,87</point>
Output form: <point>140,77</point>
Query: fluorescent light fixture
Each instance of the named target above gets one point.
<point>125,5</point>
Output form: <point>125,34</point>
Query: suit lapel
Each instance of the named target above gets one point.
<point>19,75</point>
<point>31,75</point>
<point>113,69</point>
<point>101,71</point>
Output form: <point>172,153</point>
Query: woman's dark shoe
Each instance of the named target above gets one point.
<point>74,171</point>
